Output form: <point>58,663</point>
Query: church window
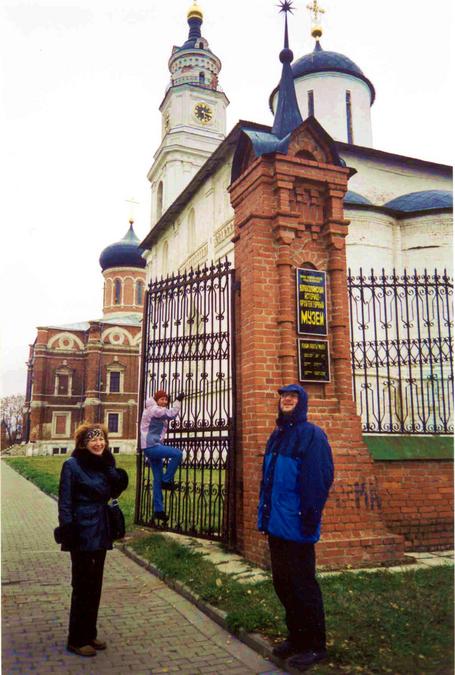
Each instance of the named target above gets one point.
<point>139,293</point>
<point>310,103</point>
<point>349,117</point>
<point>201,78</point>
<point>159,200</point>
<point>114,381</point>
<point>112,423</point>
<point>62,384</point>
<point>117,292</point>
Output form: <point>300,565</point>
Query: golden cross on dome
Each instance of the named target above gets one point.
<point>316,30</point>
<point>316,9</point>
<point>132,204</point>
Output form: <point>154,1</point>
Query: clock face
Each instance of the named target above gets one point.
<point>203,113</point>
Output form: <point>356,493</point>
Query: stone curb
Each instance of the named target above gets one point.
<point>252,640</point>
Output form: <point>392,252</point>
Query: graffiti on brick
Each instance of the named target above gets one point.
<point>363,493</point>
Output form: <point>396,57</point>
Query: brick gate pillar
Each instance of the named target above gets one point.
<point>289,214</point>
<point>92,404</point>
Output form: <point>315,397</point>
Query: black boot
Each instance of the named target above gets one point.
<point>305,660</point>
<point>285,649</point>
<point>160,515</point>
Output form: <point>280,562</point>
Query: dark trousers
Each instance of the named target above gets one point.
<point>87,581</point>
<point>294,579</point>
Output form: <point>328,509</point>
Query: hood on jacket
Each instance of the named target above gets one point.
<point>300,412</point>
<point>151,403</point>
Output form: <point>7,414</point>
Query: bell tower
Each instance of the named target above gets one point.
<point>193,116</point>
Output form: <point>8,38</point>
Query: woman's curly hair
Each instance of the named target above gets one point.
<point>81,431</point>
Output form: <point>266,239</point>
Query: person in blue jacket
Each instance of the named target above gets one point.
<point>89,478</point>
<point>297,474</point>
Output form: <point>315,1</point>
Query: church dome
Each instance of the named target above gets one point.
<point>424,200</point>
<point>124,253</point>
<point>320,61</point>
<point>355,198</point>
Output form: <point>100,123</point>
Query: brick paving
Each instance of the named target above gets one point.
<point>149,628</point>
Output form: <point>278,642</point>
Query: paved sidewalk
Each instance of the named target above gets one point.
<point>150,629</point>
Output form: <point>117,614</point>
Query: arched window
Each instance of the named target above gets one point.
<point>139,292</point>
<point>159,200</point>
<point>350,131</point>
<point>191,231</point>
<point>117,292</point>
<point>310,103</point>
<point>201,78</point>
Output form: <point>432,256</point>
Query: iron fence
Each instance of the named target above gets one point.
<point>188,346</point>
<point>401,351</point>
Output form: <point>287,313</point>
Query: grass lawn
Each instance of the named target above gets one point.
<point>381,622</point>
<point>45,473</point>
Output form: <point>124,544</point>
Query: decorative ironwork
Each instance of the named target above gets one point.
<point>188,346</point>
<point>401,350</point>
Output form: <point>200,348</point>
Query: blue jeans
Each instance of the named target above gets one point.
<point>155,455</point>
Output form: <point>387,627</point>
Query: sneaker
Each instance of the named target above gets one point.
<point>305,660</point>
<point>160,515</point>
<point>98,644</point>
<point>85,650</point>
<point>285,649</point>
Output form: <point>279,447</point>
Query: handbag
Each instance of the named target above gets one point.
<point>116,520</point>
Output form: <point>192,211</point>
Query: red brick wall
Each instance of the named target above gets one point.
<point>417,501</point>
<point>89,369</point>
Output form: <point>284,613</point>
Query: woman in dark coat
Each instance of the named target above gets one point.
<point>89,478</point>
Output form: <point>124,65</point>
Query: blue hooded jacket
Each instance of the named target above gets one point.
<point>297,473</point>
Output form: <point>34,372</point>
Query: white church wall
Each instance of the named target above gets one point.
<point>381,180</point>
<point>201,232</point>
<point>373,241</point>
<point>329,95</point>
<point>427,242</point>
<point>379,241</point>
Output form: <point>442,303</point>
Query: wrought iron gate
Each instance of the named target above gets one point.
<point>401,350</point>
<point>188,346</point>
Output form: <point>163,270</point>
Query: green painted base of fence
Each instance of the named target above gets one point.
<point>398,448</point>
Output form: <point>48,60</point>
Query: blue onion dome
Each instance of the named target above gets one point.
<point>124,253</point>
<point>355,198</point>
<point>320,61</point>
<point>424,200</point>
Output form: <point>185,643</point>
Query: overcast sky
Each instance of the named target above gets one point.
<point>81,84</point>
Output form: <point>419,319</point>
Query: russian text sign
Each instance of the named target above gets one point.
<point>314,362</point>
<point>311,302</point>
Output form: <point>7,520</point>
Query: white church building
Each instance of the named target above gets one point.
<point>399,208</point>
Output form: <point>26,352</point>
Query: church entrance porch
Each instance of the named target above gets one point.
<point>188,347</point>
